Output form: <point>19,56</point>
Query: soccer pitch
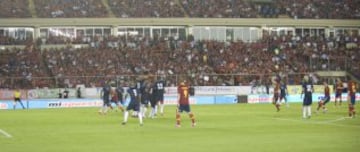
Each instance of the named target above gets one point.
<point>220,128</point>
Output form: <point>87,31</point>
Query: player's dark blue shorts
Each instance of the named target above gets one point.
<point>153,101</point>
<point>326,99</point>
<point>338,95</point>
<point>121,102</point>
<point>352,99</point>
<point>145,98</point>
<point>133,105</point>
<point>160,97</point>
<point>307,100</point>
<point>185,108</point>
<point>283,96</point>
<point>106,101</point>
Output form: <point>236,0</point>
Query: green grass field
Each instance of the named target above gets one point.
<point>220,128</point>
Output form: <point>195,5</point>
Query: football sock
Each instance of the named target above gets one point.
<point>22,105</point>
<point>178,119</point>
<point>304,111</point>
<point>309,111</point>
<point>192,117</point>
<point>126,115</point>
<point>143,111</point>
<point>156,110</point>
<point>350,111</point>
<point>140,118</point>
<point>162,108</point>
<point>105,109</point>
<point>277,105</point>
<point>152,113</point>
<point>319,106</point>
<point>354,112</point>
<point>121,108</point>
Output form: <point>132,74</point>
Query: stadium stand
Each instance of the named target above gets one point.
<point>219,61</point>
<point>309,9</point>
<point>14,9</point>
<point>70,8</point>
<point>146,8</point>
<point>215,62</point>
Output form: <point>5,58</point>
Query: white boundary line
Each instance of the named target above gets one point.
<point>5,133</point>
<point>329,122</point>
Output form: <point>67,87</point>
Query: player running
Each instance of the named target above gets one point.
<point>283,93</point>
<point>324,100</point>
<point>351,97</point>
<point>184,104</point>
<point>115,99</point>
<point>120,95</point>
<point>105,96</point>
<point>133,105</point>
<point>145,97</point>
<point>307,90</point>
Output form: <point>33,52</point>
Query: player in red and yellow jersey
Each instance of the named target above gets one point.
<point>184,103</point>
<point>351,97</point>
<point>324,100</point>
<point>276,98</point>
<point>339,89</point>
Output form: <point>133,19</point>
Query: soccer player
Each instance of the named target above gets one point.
<point>17,98</point>
<point>283,93</point>
<point>276,97</point>
<point>133,105</point>
<point>351,97</point>
<point>115,99</point>
<point>153,101</point>
<point>339,88</point>
<point>184,104</point>
<point>140,86</point>
<point>105,96</point>
<point>159,91</point>
<point>307,90</point>
<point>145,97</point>
<point>324,100</point>
<point>120,96</point>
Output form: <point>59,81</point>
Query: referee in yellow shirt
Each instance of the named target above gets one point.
<point>17,96</point>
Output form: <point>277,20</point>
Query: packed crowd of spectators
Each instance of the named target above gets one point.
<point>320,9</point>
<point>146,8</point>
<point>70,8</point>
<point>19,67</point>
<point>228,9</point>
<point>14,9</point>
<point>297,9</point>
<point>202,62</point>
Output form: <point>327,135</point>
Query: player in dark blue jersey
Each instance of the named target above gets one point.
<point>120,94</point>
<point>145,97</point>
<point>105,96</point>
<point>159,90</point>
<point>283,93</point>
<point>153,101</point>
<point>307,90</point>
<point>134,104</point>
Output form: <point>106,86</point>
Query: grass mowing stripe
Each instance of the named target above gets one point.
<point>330,122</point>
